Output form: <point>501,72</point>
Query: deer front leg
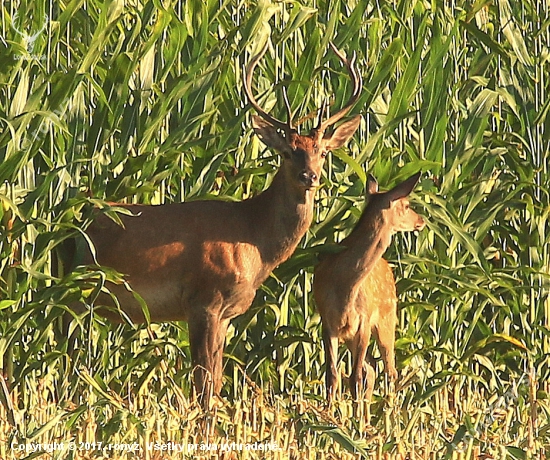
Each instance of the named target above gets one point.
<point>217,373</point>
<point>385,336</point>
<point>331,356</point>
<point>204,340</point>
<point>358,347</point>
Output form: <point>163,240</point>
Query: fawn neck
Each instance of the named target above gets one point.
<point>365,245</point>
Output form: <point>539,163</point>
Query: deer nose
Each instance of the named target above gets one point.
<point>309,178</point>
<point>420,224</point>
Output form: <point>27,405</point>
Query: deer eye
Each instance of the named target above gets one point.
<point>324,154</point>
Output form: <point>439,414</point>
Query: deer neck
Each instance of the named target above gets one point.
<point>280,217</point>
<point>364,246</point>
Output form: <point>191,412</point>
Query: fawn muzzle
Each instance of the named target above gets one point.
<point>420,224</point>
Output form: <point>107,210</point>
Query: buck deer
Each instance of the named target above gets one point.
<point>203,261</point>
<point>354,289</point>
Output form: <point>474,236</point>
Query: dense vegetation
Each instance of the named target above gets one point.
<point>142,101</point>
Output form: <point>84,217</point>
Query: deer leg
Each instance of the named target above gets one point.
<point>385,336</point>
<point>331,357</point>
<point>370,376</point>
<point>204,340</point>
<point>217,373</point>
<point>358,347</point>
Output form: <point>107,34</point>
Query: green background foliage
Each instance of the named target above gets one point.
<point>142,101</point>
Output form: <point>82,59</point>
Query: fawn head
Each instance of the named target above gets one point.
<point>393,205</point>
<point>304,154</point>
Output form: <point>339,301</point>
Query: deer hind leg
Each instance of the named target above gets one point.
<point>358,347</point>
<point>385,336</point>
<point>331,356</point>
<point>370,372</point>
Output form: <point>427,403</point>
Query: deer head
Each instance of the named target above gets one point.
<point>393,205</point>
<point>304,153</point>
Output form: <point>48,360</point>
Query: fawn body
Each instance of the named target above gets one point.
<point>354,289</point>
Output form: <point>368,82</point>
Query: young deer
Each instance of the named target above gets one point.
<point>203,261</point>
<point>354,289</point>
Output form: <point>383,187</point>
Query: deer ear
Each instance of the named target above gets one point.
<point>404,188</point>
<point>372,186</point>
<point>342,134</point>
<point>269,135</point>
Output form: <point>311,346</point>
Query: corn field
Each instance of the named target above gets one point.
<point>142,101</point>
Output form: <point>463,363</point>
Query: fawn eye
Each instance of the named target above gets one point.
<point>324,154</point>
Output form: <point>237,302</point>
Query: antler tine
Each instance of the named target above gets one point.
<point>290,115</point>
<point>321,113</point>
<point>253,102</point>
<point>357,86</point>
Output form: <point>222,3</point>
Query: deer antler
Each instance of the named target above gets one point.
<point>357,85</point>
<point>321,125</point>
<point>286,127</point>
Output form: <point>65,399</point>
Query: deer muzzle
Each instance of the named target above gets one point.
<point>420,224</point>
<point>309,179</point>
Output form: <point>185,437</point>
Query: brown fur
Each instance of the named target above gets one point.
<point>354,289</point>
<point>203,261</point>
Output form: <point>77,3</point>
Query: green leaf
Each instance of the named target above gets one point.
<point>340,437</point>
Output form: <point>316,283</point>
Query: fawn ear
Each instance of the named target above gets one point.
<point>372,186</point>
<point>404,188</point>
<point>269,135</point>
<point>342,134</point>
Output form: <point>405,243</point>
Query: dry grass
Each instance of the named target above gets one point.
<point>456,422</point>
